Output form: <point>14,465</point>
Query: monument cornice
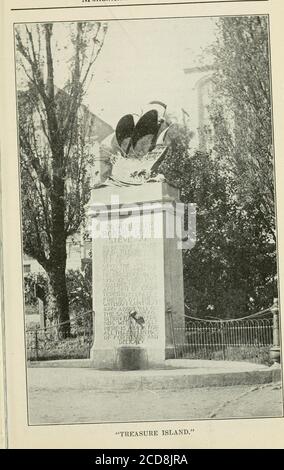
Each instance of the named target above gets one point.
<point>147,193</point>
<point>125,210</point>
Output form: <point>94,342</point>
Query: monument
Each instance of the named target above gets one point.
<point>138,297</point>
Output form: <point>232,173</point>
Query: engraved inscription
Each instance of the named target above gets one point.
<point>130,282</point>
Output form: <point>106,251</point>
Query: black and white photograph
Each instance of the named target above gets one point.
<point>148,220</point>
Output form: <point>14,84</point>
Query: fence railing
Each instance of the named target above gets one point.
<point>48,343</point>
<point>248,338</point>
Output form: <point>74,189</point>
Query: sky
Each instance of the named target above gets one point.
<point>143,61</point>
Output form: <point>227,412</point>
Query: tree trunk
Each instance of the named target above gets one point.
<point>57,301</point>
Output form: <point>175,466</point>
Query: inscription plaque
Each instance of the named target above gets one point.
<point>130,278</point>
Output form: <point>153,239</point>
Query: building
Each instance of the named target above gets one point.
<point>198,83</point>
<point>78,254</point>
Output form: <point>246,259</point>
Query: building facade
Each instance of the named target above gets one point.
<point>198,83</point>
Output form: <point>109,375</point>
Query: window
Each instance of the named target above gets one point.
<point>27,268</point>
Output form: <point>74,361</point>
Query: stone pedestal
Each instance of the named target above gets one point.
<point>137,267</point>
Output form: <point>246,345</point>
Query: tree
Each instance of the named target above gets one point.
<point>79,289</point>
<point>241,111</point>
<point>231,270</point>
<point>206,265</point>
<point>241,116</point>
<point>53,144</point>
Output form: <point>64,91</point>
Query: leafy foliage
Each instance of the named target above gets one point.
<point>241,112</point>
<point>79,288</point>
<point>35,286</point>
<point>232,268</point>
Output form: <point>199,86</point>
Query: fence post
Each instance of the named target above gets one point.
<point>170,316</point>
<point>223,341</point>
<point>36,345</point>
<point>275,350</point>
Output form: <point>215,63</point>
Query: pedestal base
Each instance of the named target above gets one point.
<point>137,272</point>
<point>131,358</point>
<point>170,353</point>
<point>107,358</point>
<point>275,354</point>
<point>103,358</point>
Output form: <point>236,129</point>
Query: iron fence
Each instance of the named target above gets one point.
<point>48,342</point>
<point>238,339</point>
<point>249,338</point>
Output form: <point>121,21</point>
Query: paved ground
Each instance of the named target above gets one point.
<point>64,396</point>
<point>198,366</point>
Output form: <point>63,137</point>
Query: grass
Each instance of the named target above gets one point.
<point>71,348</point>
<point>78,348</point>
<point>259,355</point>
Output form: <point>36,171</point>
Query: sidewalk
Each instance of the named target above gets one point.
<point>64,396</point>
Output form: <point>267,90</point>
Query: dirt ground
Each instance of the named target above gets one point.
<point>63,404</point>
